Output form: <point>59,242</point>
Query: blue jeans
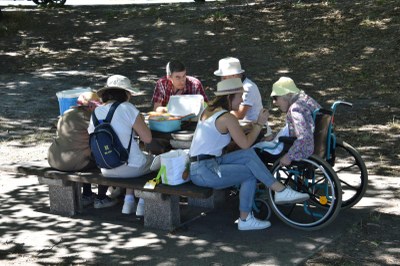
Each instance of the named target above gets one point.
<point>241,167</point>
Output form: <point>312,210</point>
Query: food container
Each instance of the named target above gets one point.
<point>68,98</point>
<point>159,123</point>
<point>182,105</point>
<point>167,123</point>
<point>184,135</point>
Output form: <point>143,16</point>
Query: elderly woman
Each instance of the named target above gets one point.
<point>70,150</point>
<point>299,108</point>
<point>210,168</point>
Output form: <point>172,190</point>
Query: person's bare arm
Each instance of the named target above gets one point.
<point>243,140</point>
<point>241,112</point>
<point>229,123</point>
<point>142,130</point>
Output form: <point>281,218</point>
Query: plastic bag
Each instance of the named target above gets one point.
<point>273,147</point>
<point>173,167</point>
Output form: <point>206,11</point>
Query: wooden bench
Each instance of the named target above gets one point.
<point>162,205</point>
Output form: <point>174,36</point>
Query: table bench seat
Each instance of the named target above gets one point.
<point>162,204</point>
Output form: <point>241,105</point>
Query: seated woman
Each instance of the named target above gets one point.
<point>299,108</point>
<point>127,124</point>
<point>210,168</point>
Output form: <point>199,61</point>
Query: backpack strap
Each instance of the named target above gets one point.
<point>95,120</point>
<point>111,112</point>
<point>109,118</point>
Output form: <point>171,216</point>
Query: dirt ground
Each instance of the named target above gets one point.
<point>346,50</point>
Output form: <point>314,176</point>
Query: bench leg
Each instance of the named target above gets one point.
<point>160,211</point>
<point>217,199</point>
<point>65,197</point>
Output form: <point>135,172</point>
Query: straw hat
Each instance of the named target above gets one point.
<point>118,82</point>
<point>229,86</point>
<point>284,86</point>
<point>228,66</point>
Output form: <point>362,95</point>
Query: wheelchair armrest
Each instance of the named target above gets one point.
<point>287,140</point>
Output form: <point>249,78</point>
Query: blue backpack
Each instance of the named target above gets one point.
<point>105,145</point>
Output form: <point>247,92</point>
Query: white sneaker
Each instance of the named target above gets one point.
<point>104,203</point>
<point>288,195</point>
<point>252,223</point>
<point>129,207</point>
<point>140,209</point>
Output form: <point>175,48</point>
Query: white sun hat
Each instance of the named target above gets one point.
<point>228,66</point>
<point>118,82</point>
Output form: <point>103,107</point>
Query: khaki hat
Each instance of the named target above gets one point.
<point>284,86</point>
<point>88,97</point>
<point>118,82</point>
<point>229,86</point>
<point>228,66</point>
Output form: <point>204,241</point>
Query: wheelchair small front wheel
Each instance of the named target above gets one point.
<point>315,177</point>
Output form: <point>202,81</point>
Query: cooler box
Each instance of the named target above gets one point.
<point>68,98</point>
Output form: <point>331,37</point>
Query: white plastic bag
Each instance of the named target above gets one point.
<point>173,167</point>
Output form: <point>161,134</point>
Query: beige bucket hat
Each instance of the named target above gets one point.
<point>228,66</point>
<point>229,86</point>
<point>284,86</point>
<point>118,82</point>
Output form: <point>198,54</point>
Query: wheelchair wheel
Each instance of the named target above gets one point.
<point>352,173</point>
<point>315,177</point>
<point>39,2</point>
<point>58,2</point>
<point>261,209</point>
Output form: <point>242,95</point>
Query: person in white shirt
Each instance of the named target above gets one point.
<point>126,118</point>
<point>251,104</point>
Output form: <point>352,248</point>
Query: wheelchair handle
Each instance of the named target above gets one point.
<point>337,103</point>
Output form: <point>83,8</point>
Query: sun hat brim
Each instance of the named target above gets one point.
<point>229,86</point>
<point>102,90</point>
<point>233,91</point>
<point>222,73</point>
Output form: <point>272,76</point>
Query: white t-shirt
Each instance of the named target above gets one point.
<point>251,97</point>
<point>122,123</point>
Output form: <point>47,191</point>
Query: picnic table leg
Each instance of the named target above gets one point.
<point>64,196</point>
<point>160,211</point>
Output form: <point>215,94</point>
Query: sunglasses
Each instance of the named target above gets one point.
<point>274,98</point>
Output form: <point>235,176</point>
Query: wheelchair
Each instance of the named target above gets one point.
<point>335,177</point>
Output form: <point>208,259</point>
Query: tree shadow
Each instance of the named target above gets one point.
<point>106,236</point>
<point>340,50</point>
